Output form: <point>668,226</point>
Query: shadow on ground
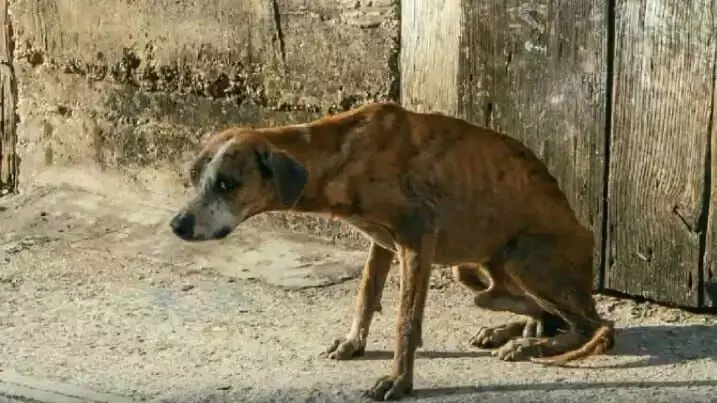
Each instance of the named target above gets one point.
<point>560,386</point>
<point>371,355</point>
<point>688,342</point>
<point>533,392</point>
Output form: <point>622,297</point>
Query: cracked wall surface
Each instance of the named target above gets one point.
<point>132,86</point>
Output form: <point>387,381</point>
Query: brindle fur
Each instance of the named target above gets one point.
<point>431,189</point>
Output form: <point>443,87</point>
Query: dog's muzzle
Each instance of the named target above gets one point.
<point>183,225</point>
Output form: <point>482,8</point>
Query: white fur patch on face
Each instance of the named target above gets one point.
<point>209,176</point>
<point>212,213</point>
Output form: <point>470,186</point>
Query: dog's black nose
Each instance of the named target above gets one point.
<point>183,225</point>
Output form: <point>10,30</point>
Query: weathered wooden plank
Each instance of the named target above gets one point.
<point>8,96</point>
<point>430,39</point>
<point>537,70</point>
<point>710,259</point>
<point>708,220</point>
<point>663,75</point>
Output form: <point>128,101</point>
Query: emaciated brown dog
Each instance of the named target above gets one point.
<point>431,189</point>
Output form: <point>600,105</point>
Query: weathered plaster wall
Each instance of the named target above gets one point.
<point>130,86</point>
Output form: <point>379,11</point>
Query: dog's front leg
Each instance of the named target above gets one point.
<point>368,300</point>
<point>415,275</point>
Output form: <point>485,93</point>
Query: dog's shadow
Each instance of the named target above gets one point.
<point>664,345</point>
<point>651,345</point>
<point>423,354</point>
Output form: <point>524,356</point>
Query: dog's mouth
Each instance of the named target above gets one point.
<point>218,235</point>
<point>222,233</point>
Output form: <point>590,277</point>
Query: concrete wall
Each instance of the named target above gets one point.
<point>130,86</point>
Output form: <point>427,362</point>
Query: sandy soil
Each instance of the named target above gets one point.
<point>94,291</point>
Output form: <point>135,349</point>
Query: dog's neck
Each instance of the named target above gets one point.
<point>321,148</point>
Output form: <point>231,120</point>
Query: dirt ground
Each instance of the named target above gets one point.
<point>95,292</point>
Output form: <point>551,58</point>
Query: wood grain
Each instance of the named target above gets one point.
<point>537,70</point>
<point>663,75</point>
<point>709,246</point>
<point>430,39</point>
<point>8,97</point>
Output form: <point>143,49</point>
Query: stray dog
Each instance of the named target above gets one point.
<point>431,189</point>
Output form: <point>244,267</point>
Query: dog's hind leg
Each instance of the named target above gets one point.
<point>491,337</point>
<point>556,273</point>
<point>491,292</point>
<point>368,301</point>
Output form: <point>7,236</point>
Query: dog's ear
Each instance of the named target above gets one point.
<point>289,175</point>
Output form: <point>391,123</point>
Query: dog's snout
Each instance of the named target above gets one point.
<point>183,225</point>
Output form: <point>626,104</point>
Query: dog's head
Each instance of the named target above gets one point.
<point>236,177</point>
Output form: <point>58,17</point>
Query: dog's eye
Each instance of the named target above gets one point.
<point>226,185</point>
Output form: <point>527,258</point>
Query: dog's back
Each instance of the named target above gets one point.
<point>482,186</point>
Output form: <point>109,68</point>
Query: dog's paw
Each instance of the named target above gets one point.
<point>491,337</point>
<point>389,388</point>
<point>520,349</point>
<point>344,348</point>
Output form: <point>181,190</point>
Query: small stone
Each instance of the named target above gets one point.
<point>13,248</point>
<point>224,387</point>
<point>187,287</point>
<point>43,214</point>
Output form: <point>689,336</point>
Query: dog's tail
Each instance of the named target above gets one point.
<point>601,341</point>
